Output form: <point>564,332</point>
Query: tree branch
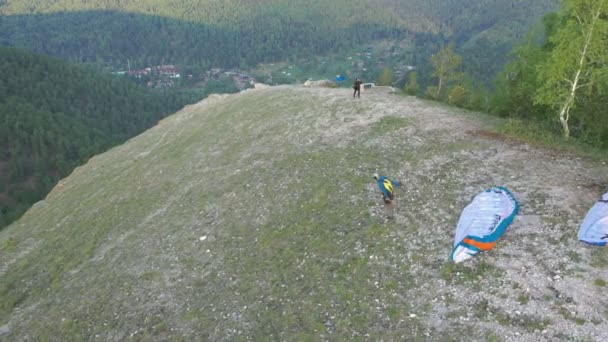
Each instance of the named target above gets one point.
<point>582,85</point>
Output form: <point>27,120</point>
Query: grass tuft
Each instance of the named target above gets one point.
<point>543,136</point>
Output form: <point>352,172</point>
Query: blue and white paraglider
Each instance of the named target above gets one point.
<point>594,229</point>
<point>483,222</point>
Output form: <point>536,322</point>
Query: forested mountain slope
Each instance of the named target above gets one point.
<point>255,216</point>
<point>234,32</point>
<point>54,116</point>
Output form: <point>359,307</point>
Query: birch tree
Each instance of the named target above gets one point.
<point>578,59</point>
<point>446,63</point>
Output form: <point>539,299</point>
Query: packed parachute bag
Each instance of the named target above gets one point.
<point>594,229</point>
<point>483,222</point>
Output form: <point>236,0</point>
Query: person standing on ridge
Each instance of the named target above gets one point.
<point>387,187</point>
<point>357,87</point>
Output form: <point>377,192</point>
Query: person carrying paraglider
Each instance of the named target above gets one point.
<point>387,187</point>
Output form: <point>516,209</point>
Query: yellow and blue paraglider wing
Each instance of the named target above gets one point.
<point>388,185</point>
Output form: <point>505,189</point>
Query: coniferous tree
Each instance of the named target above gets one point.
<point>385,78</point>
<point>412,87</point>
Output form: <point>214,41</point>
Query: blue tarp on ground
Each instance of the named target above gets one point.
<point>594,229</point>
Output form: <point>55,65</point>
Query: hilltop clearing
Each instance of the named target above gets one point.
<point>255,216</point>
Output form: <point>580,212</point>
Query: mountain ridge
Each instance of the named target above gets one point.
<point>255,215</point>
<point>253,32</point>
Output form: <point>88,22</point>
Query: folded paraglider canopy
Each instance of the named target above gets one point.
<point>483,222</point>
<point>594,229</point>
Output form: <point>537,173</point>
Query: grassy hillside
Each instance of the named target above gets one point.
<point>255,216</point>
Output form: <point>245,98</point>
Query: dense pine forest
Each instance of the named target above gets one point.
<point>250,32</point>
<point>54,116</point>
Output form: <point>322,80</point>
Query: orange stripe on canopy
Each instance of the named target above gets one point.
<point>484,246</point>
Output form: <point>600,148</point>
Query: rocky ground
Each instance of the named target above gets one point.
<point>254,216</point>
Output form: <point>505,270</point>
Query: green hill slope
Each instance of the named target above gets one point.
<point>255,216</point>
<point>54,116</point>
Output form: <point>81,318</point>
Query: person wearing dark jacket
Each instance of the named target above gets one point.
<point>357,87</point>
